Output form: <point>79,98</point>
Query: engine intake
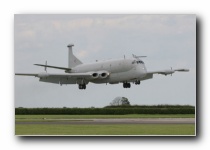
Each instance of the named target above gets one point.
<point>103,75</point>
<point>95,75</point>
<point>99,75</point>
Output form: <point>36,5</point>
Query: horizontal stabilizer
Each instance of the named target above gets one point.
<point>56,67</point>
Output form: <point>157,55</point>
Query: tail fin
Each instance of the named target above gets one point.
<point>72,60</point>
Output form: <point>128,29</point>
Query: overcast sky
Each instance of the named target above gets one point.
<point>166,40</point>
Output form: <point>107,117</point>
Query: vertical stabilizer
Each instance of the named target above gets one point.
<point>72,60</point>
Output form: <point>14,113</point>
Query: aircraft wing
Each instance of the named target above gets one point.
<point>167,72</point>
<point>66,75</point>
<point>163,72</point>
<point>64,78</point>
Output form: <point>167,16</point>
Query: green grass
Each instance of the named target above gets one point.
<point>116,129</point>
<point>141,129</point>
<point>37,117</point>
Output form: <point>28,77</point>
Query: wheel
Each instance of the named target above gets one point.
<point>126,85</point>
<point>123,85</point>
<point>137,82</point>
<point>82,86</point>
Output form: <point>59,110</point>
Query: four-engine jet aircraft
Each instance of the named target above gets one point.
<point>113,71</point>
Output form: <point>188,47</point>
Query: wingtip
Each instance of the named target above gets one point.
<point>183,70</point>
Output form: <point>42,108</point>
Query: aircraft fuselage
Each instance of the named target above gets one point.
<point>117,70</point>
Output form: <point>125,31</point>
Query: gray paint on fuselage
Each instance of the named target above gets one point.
<point>112,66</point>
<point>119,70</point>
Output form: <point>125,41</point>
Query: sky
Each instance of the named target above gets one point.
<point>167,41</point>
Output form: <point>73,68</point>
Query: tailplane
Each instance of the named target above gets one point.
<point>72,60</point>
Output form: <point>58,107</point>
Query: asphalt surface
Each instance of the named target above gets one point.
<point>112,121</point>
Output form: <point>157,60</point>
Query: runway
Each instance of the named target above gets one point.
<point>111,121</point>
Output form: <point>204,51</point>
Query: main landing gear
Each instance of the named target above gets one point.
<point>126,85</point>
<point>82,86</point>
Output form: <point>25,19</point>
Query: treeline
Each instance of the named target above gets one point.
<point>151,106</point>
<point>108,110</point>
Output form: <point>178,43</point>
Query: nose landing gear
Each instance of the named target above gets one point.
<point>137,82</point>
<point>82,86</point>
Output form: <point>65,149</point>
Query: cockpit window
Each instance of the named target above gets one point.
<point>138,62</point>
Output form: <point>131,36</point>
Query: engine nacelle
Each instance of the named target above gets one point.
<point>99,75</point>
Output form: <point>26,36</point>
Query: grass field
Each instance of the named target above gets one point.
<point>35,117</point>
<point>141,129</point>
<point>103,129</point>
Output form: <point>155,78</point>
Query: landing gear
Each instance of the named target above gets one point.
<point>82,86</point>
<point>126,85</point>
<point>137,82</point>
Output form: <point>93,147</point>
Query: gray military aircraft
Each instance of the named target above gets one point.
<point>113,71</point>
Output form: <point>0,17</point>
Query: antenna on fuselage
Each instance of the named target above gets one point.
<point>45,68</point>
<point>134,56</point>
